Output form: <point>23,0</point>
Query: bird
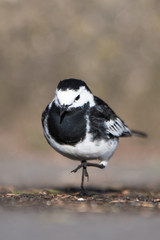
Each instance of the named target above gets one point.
<point>82,127</point>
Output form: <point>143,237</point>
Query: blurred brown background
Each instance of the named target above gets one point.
<point>115,47</point>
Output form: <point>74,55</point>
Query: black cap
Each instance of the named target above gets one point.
<point>71,83</point>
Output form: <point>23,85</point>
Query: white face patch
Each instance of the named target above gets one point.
<point>68,97</point>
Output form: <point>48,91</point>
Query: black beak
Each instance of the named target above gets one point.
<point>62,112</point>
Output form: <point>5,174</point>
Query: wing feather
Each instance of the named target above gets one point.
<point>113,125</point>
<point>116,127</point>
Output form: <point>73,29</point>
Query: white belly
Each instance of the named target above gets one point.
<point>86,149</point>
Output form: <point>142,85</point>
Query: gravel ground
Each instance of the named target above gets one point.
<point>96,201</point>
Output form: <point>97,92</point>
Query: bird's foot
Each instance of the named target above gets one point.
<point>77,168</point>
<point>83,192</point>
<point>84,165</point>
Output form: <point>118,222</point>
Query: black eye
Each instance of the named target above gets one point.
<point>77,97</point>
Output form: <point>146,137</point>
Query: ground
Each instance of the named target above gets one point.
<point>115,213</point>
<point>69,199</point>
<point>39,198</point>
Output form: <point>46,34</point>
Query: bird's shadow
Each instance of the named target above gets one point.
<point>88,190</point>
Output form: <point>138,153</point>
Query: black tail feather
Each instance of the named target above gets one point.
<point>139,134</point>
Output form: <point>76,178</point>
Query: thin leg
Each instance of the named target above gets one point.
<point>87,164</point>
<point>82,181</point>
<point>84,166</point>
<point>86,174</point>
<point>95,165</point>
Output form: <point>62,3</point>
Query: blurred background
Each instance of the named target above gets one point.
<point>113,46</point>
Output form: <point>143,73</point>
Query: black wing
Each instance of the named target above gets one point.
<point>103,117</point>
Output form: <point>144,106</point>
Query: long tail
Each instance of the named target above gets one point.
<point>139,134</point>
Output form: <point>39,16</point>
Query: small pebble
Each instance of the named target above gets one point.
<point>80,199</point>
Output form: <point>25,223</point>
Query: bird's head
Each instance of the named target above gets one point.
<point>72,94</point>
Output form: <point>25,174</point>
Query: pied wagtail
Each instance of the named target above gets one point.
<point>82,127</point>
